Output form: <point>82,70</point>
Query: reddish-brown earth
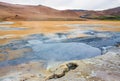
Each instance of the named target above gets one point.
<point>40,12</point>
<point>27,12</point>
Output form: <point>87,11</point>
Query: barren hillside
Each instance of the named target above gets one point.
<point>40,12</point>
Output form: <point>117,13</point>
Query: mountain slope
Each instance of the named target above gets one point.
<point>113,11</point>
<point>28,12</point>
<point>40,12</point>
<point>95,14</point>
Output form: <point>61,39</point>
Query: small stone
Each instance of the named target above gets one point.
<point>72,66</point>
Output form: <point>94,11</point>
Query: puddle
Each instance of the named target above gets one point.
<point>6,28</point>
<point>48,52</point>
<point>88,25</point>
<point>63,51</point>
<point>6,23</point>
<point>7,36</point>
<point>97,27</point>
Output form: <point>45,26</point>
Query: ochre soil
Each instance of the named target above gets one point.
<point>47,27</point>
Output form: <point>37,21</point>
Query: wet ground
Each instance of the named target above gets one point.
<point>75,41</point>
<point>72,44</point>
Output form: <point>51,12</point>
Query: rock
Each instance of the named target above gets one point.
<point>72,66</point>
<point>118,44</point>
<point>62,70</point>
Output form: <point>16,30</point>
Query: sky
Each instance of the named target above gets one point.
<point>70,4</point>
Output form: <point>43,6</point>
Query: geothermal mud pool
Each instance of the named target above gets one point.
<point>57,47</point>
